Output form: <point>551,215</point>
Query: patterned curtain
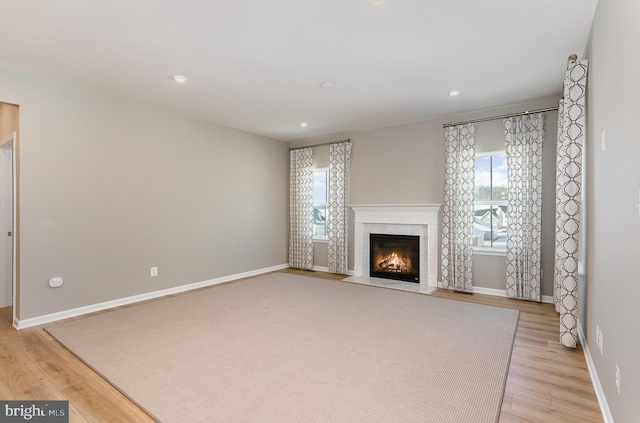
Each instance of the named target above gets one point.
<point>337,222</point>
<point>301,208</point>
<point>524,136</point>
<point>457,209</point>
<point>571,130</point>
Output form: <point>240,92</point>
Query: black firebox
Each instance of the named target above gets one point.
<point>395,257</point>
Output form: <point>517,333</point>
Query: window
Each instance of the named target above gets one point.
<point>320,202</point>
<point>490,200</point>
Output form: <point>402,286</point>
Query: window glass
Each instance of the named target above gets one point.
<point>499,186</point>
<point>483,179</point>
<point>490,201</point>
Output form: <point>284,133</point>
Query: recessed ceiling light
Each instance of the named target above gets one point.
<point>180,79</point>
<point>303,124</point>
<point>453,93</point>
<point>325,85</point>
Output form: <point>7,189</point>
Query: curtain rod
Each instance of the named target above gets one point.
<point>528,112</point>
<point>320,145</point>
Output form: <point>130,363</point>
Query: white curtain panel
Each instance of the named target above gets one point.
<point>301,208</point>
<point>457,209</point>
<point>337,222</point>
<point>524,137</point>
<point>571,131</point>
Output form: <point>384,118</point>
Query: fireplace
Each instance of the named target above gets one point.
<point>395,257</point>
<point>421,220</point>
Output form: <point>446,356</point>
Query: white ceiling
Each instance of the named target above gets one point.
<point>256,65</point>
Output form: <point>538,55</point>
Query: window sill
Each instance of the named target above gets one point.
<point>321,239</point>
<point>486,251</point>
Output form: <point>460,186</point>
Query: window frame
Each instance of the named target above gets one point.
<point>484,250</point>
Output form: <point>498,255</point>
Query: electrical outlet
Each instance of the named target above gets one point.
<point>601,342</point>
<point>55,282</point>
<point>154,272</point>
<point>618,378</point>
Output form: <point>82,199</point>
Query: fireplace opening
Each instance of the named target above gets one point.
<point>395,257</point>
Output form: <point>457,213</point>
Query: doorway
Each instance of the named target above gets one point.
<point>7,225</point>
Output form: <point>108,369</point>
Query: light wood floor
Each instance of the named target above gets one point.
<point>547,382</point>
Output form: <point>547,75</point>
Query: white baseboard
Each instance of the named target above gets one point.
<point>489,291</point>
<point>53,317</point>
<point>326,270</point>
<point>595,380</point>
<point>547,299</point>
<point>500,293</point>
<point>320,269</point>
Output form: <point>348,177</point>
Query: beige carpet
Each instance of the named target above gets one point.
<point>287,348</point>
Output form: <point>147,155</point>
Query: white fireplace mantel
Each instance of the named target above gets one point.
<point>420,219</point>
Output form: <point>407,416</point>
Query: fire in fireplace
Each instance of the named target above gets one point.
<point>395,257</point>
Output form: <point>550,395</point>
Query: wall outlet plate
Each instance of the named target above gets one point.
<point>55,282</point>
<point>601,342</point>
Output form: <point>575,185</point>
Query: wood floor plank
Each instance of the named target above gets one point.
<point>60,366</point>
<point>16,370</point>
<point>546,383</point>
<point>5,393</point>
<point>95,406</point>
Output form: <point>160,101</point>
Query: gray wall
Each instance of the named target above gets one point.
<point>110,187</point>
<point>613,225</point>
<point>405,165</point>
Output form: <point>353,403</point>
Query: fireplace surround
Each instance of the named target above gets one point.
<point>421,220</point>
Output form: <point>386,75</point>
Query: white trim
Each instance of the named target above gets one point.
<point>326,270</point>
<point>489,291</point>
<point>595,380</point>
<point>418,214</point>
<point>491,153</point>
<point>491,202</point>
<point>489,251</point>
<point>53,317</point>
<point>320,269</point>
<point>546,299</point>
